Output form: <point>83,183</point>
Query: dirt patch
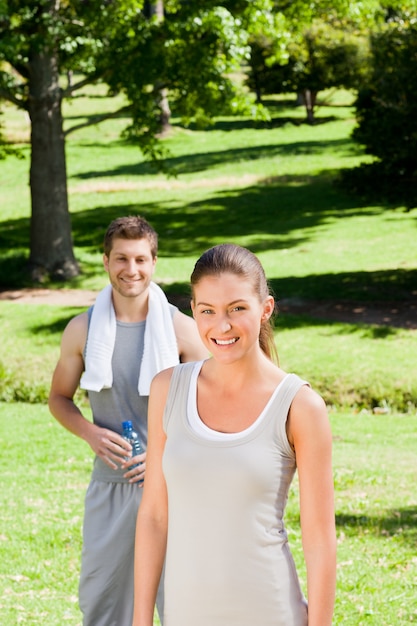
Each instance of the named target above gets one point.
<point>403,315</point>
<point>69,297</point>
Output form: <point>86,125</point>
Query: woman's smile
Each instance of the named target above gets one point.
<point>225,342</point>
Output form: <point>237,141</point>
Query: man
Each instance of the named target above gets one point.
<point>113,351</point>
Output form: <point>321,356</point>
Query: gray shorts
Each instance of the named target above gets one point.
<point>106,580</point>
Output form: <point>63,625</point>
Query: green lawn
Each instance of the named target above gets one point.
<point>271,187</point>
<point>45,472</point>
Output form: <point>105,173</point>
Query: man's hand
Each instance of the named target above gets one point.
<point>109,446</point>
<point>135,469</point>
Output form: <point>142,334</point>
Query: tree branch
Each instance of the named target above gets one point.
<point>10,97</point>
<point>68,91</point>
<point>96,119</point>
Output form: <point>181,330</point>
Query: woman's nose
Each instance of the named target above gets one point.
<point>225,325</point>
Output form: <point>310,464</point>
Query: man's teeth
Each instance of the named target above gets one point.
<point>225,342</point>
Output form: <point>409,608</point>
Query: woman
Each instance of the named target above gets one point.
<point>225,438</point>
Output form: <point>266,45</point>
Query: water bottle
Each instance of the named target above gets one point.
<point>133,438</point>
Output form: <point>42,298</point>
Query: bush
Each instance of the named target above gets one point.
<point>386,111</point>
<point>13,388</point>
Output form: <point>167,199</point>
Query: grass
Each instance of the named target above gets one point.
<point>45,472</point>
<point>270,187</point>
<point>346,363</point>
<point>274,189</point>
<point>376,517</point>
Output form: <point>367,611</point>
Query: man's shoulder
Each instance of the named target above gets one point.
<point>78,324</point>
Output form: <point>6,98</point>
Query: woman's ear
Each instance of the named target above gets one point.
<point>269,306</point>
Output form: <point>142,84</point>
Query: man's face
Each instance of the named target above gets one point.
<point>130,266</point>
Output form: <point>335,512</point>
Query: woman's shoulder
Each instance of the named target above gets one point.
<point>308,414</point>
<point>163,379</point>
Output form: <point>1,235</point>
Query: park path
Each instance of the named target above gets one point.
<point>382,314</point>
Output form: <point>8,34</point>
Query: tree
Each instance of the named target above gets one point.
<point>325,58</point>
<point>326,47</point>
<point>126,44</point>
<point>386,113</point>
<point>156,9</point>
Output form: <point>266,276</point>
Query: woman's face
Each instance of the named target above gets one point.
<point>229,314</point>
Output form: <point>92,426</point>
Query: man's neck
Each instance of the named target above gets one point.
<point>130,310</point>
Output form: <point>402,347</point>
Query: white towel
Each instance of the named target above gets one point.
<point>160,344</point>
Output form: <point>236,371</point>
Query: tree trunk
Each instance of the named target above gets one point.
<point>51,251</point>
<point>156,8</point>
<point>310,98</point>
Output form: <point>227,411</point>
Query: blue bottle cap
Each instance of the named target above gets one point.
<point>127,424</point>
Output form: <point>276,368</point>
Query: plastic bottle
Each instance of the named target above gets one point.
<point>133,438</point>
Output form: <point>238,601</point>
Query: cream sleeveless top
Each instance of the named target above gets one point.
<point>228,562</point>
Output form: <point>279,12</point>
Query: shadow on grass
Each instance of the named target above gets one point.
<point>278,211</point>
<point>277,215</point>
<point>275,122</point>
<point>179,294</point>
<point>392,285</point>
<point>400,524</point>
<point>293,321</point>
<point>57,326</point>
<point>199,162</point>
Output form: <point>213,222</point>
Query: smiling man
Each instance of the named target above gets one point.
<point>113,350</point>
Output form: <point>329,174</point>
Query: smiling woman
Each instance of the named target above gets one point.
<point>231,311</point>
<point>233,263</point>
<point>226,436</point>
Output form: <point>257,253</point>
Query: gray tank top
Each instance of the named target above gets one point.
<point>111,407</point>
<point>228,562</point>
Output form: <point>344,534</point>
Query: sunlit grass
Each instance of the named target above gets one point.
<point>269,187</point>
<point>45,472</point>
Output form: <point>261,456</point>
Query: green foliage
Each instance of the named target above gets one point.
<point>14,388</point>
<point>360,14</point>
<point>386,111</point>
<point>387,108</point>
<point>329,57</point>
<point>192,52</point>
<point>322,58</point>
<point>309,47</point>
<point>187,51</point>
